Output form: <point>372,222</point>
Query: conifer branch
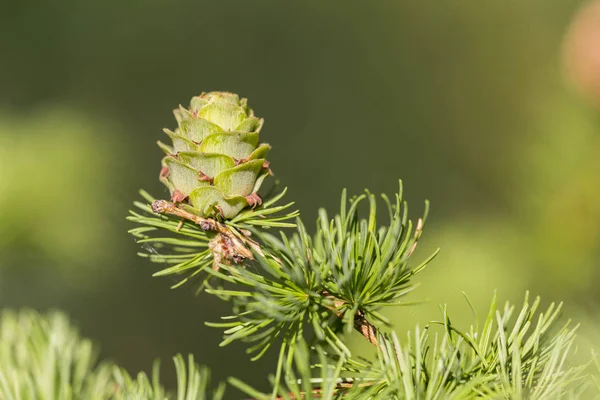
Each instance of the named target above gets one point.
<point>525,358</point>
<point>334,281</point>
<point>201,247</point>
<point>43,357</point>
<point>285,287</point>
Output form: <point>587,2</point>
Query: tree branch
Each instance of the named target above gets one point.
<point>237,243</point>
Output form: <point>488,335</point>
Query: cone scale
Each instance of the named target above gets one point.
<point>215,164</point>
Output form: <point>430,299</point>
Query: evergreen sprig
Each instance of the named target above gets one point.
<point>367,264</point>
<point>298,380</point>
<point>42,357</point>
<point>184,246</point>
<point>523,357</point>
<point>333,283</point>
<point>192,383</point>
<point>179,244</point>
<point>278,300</point>
<point>527,358</point>
<point>304,292</point>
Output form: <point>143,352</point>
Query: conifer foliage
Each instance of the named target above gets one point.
<point>296,293</point>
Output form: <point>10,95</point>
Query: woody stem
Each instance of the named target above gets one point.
<point>361,324</point>
<point>238,241</point>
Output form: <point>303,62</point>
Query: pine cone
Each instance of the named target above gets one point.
<point>215,166</point>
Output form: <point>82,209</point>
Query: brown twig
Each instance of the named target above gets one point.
<point>229,243</point>
<point>361,324</point>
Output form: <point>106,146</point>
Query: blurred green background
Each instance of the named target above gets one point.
<point>465,101</point>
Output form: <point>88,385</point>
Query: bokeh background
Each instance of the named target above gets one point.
<point>487,109</point>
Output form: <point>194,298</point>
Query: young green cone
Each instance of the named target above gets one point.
<point>215,165</point>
